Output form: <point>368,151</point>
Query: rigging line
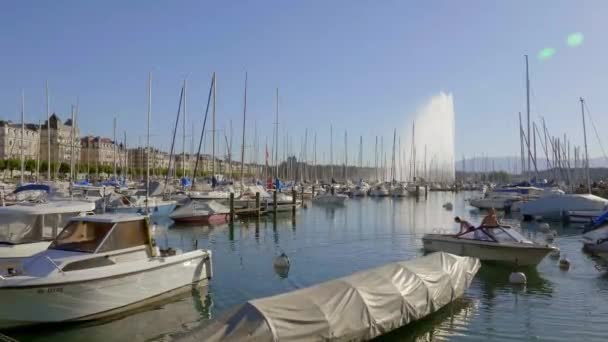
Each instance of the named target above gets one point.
<point>595,130</point>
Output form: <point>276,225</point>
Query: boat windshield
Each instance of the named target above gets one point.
<point>504,234</point>
<point>81,236</point>
<point>19,228</point>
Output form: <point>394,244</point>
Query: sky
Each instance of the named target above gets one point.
<point>363,67</point>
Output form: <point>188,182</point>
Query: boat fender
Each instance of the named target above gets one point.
<point>564,264</point>
<point>518,278</point>
<point>544,227</point>
<point>555,254</point>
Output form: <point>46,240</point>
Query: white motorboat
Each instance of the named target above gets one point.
<point>98,266</point>
<point>358,307</point>
<point>379,190</point>
<point>360,190</point>
<point>415,188</point>
<point>595,238</point>
<point>330,199</point>
<point>201,212</point>
<point>496,200</point>
<point>503,245</point>
<point>558,206</point>
<point>27,229</point>
<point>399,190</point>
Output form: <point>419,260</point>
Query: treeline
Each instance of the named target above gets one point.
<point>62,170</point>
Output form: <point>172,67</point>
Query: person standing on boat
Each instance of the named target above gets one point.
<point>490,220</point>
<point>465,226</point>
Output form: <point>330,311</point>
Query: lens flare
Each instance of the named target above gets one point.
<point>575,39</point>
<point>546,53</point>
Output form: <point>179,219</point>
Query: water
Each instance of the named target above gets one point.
<point>327,243</point>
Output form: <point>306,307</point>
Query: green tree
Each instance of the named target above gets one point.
<point>64,168</point>
<point>13,164</point>
<point>30,165</point>
<point>2,165</point>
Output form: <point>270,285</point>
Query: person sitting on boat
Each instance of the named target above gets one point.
<point>465,226</point>
<point>490,220</point>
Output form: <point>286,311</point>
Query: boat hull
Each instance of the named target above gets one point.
<point>203,219</point>
<point>97,298</point>
<point>160,210</point>
<point>487,251</point>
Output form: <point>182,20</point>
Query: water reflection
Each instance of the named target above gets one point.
<point>451,320</point>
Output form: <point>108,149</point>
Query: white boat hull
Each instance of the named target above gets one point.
<point>94,298</point>
<point>11,256</point>
<point>489,203</point>
<point>330,199</point>
<point>519,255</point>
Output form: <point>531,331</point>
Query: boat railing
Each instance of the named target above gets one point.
<point>55,264</point>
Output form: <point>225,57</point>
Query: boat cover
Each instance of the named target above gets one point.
<point>354,308</point>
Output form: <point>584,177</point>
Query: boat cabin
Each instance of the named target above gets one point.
<point>501,234</point>
<point>105,233</point>
<point>29,223</point>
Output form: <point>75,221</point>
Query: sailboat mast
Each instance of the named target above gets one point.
<point>48,132</point>
<point>114,134</point>
<point>276,151</point>
<point>213,126</point>
<point>148,139</point>
<point>331,150</point>
<point>393,175</point>
<point>72,136</point>
<point>376,159</point>
<point>528,112</point>
<point>586,151</point>
<point>184,135</point>
<point>22,133</point>
<point>345,156</point>
<point>243,140</point>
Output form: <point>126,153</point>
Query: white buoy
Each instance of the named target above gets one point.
<point>544,227</point>
<point>555,254</point>
<point>281,265</point>
<point>281,261</point>
<point>518,278</point>
<point>564,264</point>
<point>448,206</point>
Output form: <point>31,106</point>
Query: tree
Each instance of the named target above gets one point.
<point>13,164</point>
<point>64,168</point>
<point>30,165</point>
<point>2,165</point>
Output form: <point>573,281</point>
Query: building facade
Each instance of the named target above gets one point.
<point>63,139</point>
<point>11,143</point>
<point>101,151</point>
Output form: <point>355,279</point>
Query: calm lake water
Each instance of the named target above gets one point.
<point>325,243</point>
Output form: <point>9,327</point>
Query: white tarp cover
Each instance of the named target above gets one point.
<point>354,308</point>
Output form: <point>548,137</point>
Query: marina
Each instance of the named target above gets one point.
<point>327,243</point>
<point>398,172</point>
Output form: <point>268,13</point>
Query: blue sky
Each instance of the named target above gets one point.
<point>363,66</point>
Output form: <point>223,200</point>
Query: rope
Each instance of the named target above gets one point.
<point>5,338</point>
<point>595,130</point>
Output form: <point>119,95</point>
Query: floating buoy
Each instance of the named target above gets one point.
<point>281,265</point>
<point>518,278</point>
<point>544,227</point>
<point>448,206</point>
<point>555,254</point>
<point>564,264</point>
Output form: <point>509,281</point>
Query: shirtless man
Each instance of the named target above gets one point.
<point>465,226</point>
<point>490,220</point>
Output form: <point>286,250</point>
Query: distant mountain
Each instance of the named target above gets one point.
<point>510,164</point>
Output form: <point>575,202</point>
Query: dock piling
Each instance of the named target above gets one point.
<point>231,207</point>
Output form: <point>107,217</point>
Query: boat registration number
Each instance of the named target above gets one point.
<point>50,290</point>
